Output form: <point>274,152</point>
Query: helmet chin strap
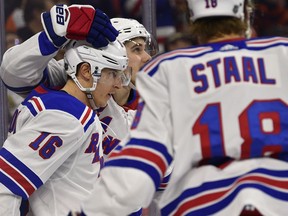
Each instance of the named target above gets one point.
<point>131,85</point>
<point>91,100</point>
<point>87,91</point>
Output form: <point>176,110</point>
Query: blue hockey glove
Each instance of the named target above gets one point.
<point>78,22</point>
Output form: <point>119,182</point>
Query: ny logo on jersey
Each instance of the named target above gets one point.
<point>94,148</point>
<point>138,115</point>
<point>109,142</point>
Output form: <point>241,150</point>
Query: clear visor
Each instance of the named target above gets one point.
<point>151,47</point>
<point>119,77</point>
<point>125,76</point>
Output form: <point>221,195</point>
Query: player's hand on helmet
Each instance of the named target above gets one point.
<point>78,22</point>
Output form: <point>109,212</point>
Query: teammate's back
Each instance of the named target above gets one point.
<point>227,94</point>
<point>223,101</point>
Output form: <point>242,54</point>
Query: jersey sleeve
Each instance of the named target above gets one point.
<point>9,204</point>
<point>31,156</point>
<point>30,63</point>
<point>132,175</point>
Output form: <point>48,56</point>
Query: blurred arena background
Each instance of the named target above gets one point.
<point>167,20</point>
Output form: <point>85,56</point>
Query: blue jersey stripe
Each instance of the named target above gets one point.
<point>212,209</point>
<point>27,89</point>
<point>164,183</point>
<point>137,213</point>
<point>32,109</point>
<point>152,67</point>
<point>150,170</point>
<point>12,186</point>
<point>21,167</point>
<point>91,121</point>
<point>150,144</point>
<point>224,184</point>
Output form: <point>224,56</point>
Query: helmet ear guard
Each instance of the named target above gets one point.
<point>126,76</point>
<point>72,57</point>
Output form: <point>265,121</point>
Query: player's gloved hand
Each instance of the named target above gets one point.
<point>78,22</point>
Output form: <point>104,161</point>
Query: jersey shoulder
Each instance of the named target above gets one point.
<point>43,98</point>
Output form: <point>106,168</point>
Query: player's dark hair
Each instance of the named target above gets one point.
<point>210,28</point>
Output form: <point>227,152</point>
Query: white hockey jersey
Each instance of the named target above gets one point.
<point>53,154</point>
<point>35,65</point>
<point>220,112</point>
<point>21,73</point>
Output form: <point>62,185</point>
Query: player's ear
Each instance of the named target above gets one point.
<point>85,71</point>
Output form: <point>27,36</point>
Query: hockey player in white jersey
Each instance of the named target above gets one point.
<point>53,153</point>
<point>219,111</point>
<point>140,46</point>
<point>21,75</point>
<point>121,108</point>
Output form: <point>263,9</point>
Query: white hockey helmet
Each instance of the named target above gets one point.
<point>113,56</point>
<point>203,8</point>
<point>130,28</point>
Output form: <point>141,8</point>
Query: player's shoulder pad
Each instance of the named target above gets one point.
<point>42,98</point>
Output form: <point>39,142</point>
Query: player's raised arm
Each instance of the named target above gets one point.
<point>53,153</point>
<point>26,65</point>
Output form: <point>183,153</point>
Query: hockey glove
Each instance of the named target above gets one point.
<point>78,22</point>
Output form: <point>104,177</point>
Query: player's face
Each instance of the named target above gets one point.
<point>107,85</point>
<point>137,55</point>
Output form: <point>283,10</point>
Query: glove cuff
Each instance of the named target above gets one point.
<point>47,23</point>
